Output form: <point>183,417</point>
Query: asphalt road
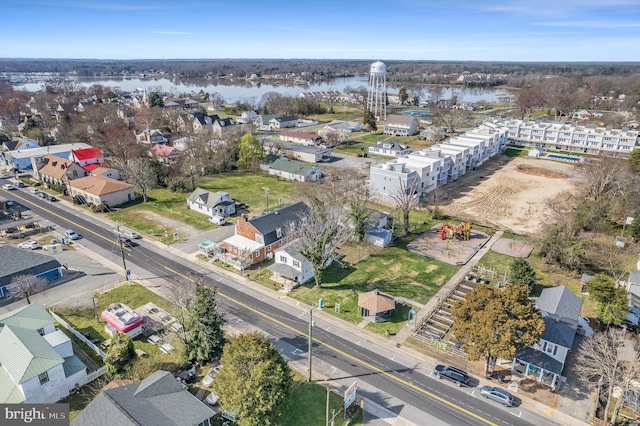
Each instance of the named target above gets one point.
<point>440,399</point>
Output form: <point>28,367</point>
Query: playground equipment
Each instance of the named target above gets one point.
<point>453,232</point>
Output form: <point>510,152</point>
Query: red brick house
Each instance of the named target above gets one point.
<point>257,238</point>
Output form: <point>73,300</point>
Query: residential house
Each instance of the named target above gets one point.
<point>389,148</point>
<point>300,137</point>
<point>339,131</point>
<point>19,143</point>
<point>165,153</point>
<point>282,122</point>
<point>158,399</point>
<point>257,238</point>
<point>21,158</point>
<point>101,190</point>
<point>308,154</point>
<point>545,360</point>
<point>222,126</point>
<point>246,117</point>
<point>151,136</point>
<point>294,170</point>
<point>211,203</point>
<point>633,288</point>
<point>263,122</point>
<point>376,232</point>
<point>290,268</point>
<point>182,144</point>
<point>401,125</point>
<point>17,262</point>
<point>57,170</point>
<point>104,171</point>
<point>86,156</point>
<point>37,364</point>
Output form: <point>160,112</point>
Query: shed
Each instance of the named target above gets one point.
<point>377,304</point>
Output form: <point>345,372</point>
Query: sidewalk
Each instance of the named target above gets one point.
<point>419,361</point>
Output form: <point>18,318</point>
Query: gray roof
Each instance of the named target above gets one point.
<point>286,118</point>
<point>157,400</point>
<point>291,250</point>
<point>269,222</point>
<point>558,332</point>
<point>560,302</point>
<point>284,270</point>
<point>400,119</point>
<point>634,277</point>
<point>73,364</point>
<point>20,262</point>
<point>585,278</point>
<point>540,359</point>
<point>210,199</point>
<point>392,145</point>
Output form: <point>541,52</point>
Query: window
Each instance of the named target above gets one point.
<point>283,259</point>
<point>40,331</point>
<point>44,378</point>
<point>550,348</point>
<point>269,247</point>
<point>296,264</point>
<point>279,232</point>
<point>258,253</point>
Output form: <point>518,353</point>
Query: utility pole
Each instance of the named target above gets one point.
<point>266,193</point>
<point>124,262</point>
<point>310,340</point>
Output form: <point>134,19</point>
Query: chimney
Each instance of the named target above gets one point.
<point>376,292</point>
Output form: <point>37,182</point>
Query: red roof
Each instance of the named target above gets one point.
<point>163,150</point>
<point>87,153</point>
<point>93,166</point>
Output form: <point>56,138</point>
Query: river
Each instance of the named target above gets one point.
<point>242,90</point>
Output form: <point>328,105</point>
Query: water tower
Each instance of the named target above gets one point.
<point>377,95</point>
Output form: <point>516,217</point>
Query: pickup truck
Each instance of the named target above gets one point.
<point>459,377</point>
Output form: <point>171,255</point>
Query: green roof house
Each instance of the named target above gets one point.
<point>294,170</point>
<point>37,364</point>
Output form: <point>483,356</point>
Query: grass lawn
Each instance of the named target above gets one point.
<point>353,148</point>
<point>394,270</point>
<point>308,405</point>
<point>516,152</point>
<point>398,320</point>
<point>369,137</point>
<point>242,186</point>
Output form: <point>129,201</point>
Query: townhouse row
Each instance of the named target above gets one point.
<point>420,172</point>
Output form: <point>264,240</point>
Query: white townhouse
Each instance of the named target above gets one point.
<point>389,148</point>
<point>458,155</point>
<point>571,137</point>
<point>478,152</point>
<point>390,179</point>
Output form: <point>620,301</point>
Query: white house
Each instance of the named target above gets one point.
<point>37,364</point>
<point>300,137</point>
<point>401,125</point>
<point>246,117</point>
<point>211,203</point>
<point>389,148</point>
<point>282,122</point>
<point>544,361</point>
<point>294,170</point>
<point>290,266</point>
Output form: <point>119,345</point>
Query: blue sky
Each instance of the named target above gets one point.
<point>482,30</point>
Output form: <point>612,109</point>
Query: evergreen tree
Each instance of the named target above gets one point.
<point>255,380</point>
<point>119,356</point>
<point>204,327</point>
<point>155,100</point>
<point>522,273</point>
<point>492,323</point>
<point>612,302</point>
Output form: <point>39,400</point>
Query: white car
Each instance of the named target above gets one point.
<point>34,190</point>
<point>29,245</point>
<point>6,176</point>
<point>131,234</point>
<point>211,375</point>
<point>71,234</point>
<point>217,220</point>
<point>8,187</point>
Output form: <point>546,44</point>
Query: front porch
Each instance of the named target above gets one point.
<point>539,366</point>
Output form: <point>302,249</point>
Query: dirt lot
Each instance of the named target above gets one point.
<point>500,196</point>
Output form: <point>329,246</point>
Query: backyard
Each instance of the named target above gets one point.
<point>172,206</point>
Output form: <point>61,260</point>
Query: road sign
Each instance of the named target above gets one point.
<point>175,235</point>
<point>350,395</point>
<point>127,272</point>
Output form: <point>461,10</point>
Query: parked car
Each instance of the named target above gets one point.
<point>131,234</point>
<point>8,187</point>
<point>459,377</point>
<point>42,194</point>
<point>4,200</point>
<point>71,234</point>
<point>217,220</point>
<point>34,190</point>
<point>51,198</point>
<point>497,394</point>
<point>6,176</point>
<point>211,375</point>
<point>51,247</point>
<point>29,245</point>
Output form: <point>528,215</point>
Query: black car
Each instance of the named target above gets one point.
<point>51,198</point>
<point>125,241</point>
<point>42,194</point>
<point>459,377</point>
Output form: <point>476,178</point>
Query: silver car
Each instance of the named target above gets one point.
<point>498,395</point>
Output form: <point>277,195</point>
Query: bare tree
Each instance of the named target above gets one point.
<point>182,292</point>
<point>598,176</point>
<point>318,233</point>
<point>629,373</point>
<point>25,286</point>
<point>601,357</point>
<point>404,198</point>
<point>140,173</point>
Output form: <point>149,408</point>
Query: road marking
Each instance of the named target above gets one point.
<point>549,411</point>
<point>297,351</point>
<point>519,414</point>
<point>64,218</point>
<point>352,357</point>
